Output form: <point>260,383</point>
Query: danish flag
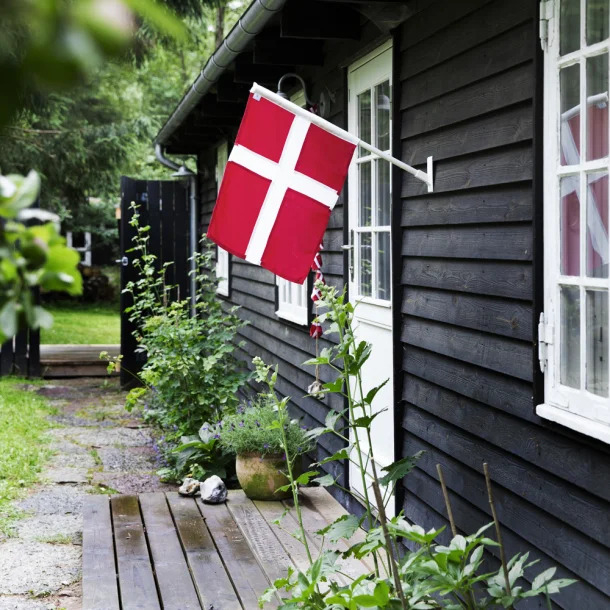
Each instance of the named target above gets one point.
<point>281,182</point>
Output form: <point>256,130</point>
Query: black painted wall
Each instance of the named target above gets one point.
<point>467,72</point>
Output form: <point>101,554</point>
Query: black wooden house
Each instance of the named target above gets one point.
<point>487,299</point>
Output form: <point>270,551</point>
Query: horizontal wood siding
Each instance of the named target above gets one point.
<point>467,83</point>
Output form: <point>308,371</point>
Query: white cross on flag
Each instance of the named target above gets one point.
<point>281,182</point>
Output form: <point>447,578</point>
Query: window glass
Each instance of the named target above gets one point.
<point>570,115</point>
<point>569,26</point>
<point>597,342</point>
<point>570,336</point>
<point>383,192</point>
<point>597,224</point>
<point>597,20</point>
<point>365,194</point>
<point>364,120</point>
<point>383,265</point>
<point>382,97</point>
<point>570,225</point>
<point>366,264</point>
<point>597,106</point>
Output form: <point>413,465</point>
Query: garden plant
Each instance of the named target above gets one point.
<point>412,569</point>
<point>191,375</point>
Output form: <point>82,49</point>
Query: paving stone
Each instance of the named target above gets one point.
<point>88,437</point>
<point>136,459</point>
<point>58,391</point>
<point>55,500</point>
<point>129,483</point>
<point>45,528</point>
<point>49,567</point>
<point>63,446</point>
<point>18,602</point>
<point>82,460</point>
<point>65,475</point>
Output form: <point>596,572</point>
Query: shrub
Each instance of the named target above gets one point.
<point>191,373</point>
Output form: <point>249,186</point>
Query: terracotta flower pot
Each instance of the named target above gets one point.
<point>260,476</point>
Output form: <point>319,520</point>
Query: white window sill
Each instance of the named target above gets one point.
<point>301,320</point>
<point>223,288</point>
<point>581,424</point>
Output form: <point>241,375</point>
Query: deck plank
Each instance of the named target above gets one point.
<point>260,536</point>
<point>173,577</point>
<point>247,575</point>
<point>100,587</point>
<point>137,583</point>
<point>209,575</point>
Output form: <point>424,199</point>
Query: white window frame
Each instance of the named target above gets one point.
<point>577,409</point>
<point>291,297</point>
<point>222,256</point>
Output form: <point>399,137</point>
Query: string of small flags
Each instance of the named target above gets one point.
<point>315,329</point>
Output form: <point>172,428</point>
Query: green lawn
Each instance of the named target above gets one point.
<point>22,444</point>
<point>83,323</point>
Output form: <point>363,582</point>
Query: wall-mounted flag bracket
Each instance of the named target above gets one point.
<point>427,176</point>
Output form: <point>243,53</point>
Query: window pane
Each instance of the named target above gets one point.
<point>597,225</point>
<point>597,107</point>
<point>570,115</point>
<point>597,342</point>
<point>366,264</point>
<point>569,26</point>
<point>384,286</point>
<point>365,194</point>
<point>383,192</point>
<point>570,336</point>
<point>570,226</point>
<point>364,120</point>
<point>597,20</point>
<point>382,95</point>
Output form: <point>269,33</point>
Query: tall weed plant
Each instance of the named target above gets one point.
<point>191,375</point>
<point>430,575</point>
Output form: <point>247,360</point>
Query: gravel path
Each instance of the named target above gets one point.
<point>98,448</point>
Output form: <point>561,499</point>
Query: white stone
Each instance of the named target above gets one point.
<point>213,490</point>
<point>189,487</point>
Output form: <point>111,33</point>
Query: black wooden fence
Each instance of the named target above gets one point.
<point>162,205</point>
<point>21,354</point>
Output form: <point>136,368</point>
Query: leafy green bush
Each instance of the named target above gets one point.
<point>191,374</point>
<point>254,428</point>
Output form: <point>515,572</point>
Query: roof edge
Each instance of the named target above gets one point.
<point>257,15</point>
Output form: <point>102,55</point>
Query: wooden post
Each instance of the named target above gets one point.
<point>441,478</point>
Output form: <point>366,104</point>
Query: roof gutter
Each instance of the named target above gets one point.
<point>258,14</point>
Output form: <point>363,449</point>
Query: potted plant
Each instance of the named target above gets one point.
<point>257,433</point>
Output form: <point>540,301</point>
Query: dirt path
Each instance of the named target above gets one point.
<point>98,448</point>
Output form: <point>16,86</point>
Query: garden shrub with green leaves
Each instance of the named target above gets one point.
<point>191,374</point>
<point>430,575</point>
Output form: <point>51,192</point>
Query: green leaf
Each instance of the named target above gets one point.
<point>8,319</point>
<point>325,481</point>
<point>370,396</point>
<point>399,469</point>
<point>344,527</point>
<point>343,454</point>
<point>332,418</point>
<point>306,476</point>
<point>543,578</point>
<point>366,420</point>
<point>334,386</point>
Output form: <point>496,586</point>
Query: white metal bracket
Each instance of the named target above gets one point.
<point>547,8</point>
<point>545,340</point>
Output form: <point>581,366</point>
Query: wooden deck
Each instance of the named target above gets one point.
<point>68,360</point>
<point>160,550</point>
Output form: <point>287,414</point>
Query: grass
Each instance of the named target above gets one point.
<point>23,448</point>
<point>83,323</point>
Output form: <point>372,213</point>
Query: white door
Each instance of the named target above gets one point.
<point>369,213</point>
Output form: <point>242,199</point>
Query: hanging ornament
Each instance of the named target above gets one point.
<point>315,330</point>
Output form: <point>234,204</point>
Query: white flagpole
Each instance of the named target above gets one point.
<point>341,133</point>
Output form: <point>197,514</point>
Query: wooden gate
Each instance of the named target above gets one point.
<point>163,205</point>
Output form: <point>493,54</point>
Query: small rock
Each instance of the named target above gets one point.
<point>189,487</point>
<point>213,490</point>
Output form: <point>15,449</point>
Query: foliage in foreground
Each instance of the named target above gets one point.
<point>455,576</point>
<point>22,444</point>
<point>30,257</point>
<point>191,375</point>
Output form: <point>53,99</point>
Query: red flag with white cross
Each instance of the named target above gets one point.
<point>281,182</point>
